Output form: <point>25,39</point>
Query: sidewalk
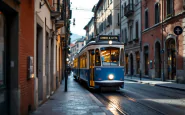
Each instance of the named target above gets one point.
<point>157,83</point>
<point>76,101</point>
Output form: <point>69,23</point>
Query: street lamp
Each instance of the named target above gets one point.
<point>67,59</point>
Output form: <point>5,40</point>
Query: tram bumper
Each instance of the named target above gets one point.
<point>110,83</point>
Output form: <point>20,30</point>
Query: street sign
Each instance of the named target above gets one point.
<point>178,30</point>
<point>162,51</point>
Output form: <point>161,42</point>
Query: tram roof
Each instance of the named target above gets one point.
<point>100,43</point>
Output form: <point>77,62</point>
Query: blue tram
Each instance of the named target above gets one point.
<point>100,63</point>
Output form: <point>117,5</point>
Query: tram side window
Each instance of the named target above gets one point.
<point>97,58</point>
<point>122,58</point>
<point>75,63</point>
<point>83,60</point>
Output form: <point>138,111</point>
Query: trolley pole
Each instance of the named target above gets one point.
<point>65,50</point>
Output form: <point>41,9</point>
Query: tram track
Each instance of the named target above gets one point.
<point>108,102</point>
<point>149,107</point>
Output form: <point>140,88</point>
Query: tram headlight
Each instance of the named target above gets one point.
<point>110,42</point>
<point>111,76</point>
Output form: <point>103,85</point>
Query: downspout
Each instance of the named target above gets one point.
<point>141,54</point>
<point>162,40</point>
<point>120,23</point>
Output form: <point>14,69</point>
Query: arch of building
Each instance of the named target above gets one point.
<point>144,71</point>
<point>170,56</point>
<point>157,58</point>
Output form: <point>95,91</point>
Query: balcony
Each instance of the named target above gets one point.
<point>136,39</point>
<point>59,23</point>
<point>128,10</point>
<point>55,14</point>
<point>63,31</point>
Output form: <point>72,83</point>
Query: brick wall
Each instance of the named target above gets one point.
<point>26,48</point>
<point>154,32</point>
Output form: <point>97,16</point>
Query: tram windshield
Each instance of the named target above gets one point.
<point>110,56</point>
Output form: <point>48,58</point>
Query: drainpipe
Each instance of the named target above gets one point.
<point>140,74</point>
<point>120,21</point>
<point>162,41</point>
<point>65,51</point>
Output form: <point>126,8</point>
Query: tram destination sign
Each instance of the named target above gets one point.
<point>107,38</point>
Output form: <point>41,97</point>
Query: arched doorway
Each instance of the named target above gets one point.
<point>157,60</point>
<point>146,60</point>
<point>171,57</point>
<point>3,78</point>
<point>131,65</point>
<point>126,63</point>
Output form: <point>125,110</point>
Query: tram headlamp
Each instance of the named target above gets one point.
<point>110,42</point>
<point>111,76</point>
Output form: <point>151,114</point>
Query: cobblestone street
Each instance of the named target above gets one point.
<point>76,101</point>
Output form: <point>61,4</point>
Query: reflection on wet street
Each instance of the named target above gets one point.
<point>143,99</point>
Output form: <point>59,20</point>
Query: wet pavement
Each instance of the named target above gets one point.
<point>76,101</point>
<point>159,83</point>
<point>144,99</point>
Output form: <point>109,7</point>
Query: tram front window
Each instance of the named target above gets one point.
<point>110,56</point>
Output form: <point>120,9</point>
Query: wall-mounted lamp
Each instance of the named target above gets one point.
<point>41,4</point>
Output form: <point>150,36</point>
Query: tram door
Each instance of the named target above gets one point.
<point>91,67</point>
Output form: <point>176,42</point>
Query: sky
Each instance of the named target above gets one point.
<point>82,12</point>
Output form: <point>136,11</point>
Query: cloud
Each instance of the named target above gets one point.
<point>81,11</point>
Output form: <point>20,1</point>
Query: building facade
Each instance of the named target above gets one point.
<point>31,52</point>
<point>89,28</point>
<point>17,49</point>
<point>131,35</point>
<point>75,48</point>
<point>107,17</point>
<point>163,50</point>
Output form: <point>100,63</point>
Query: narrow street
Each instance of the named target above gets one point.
<point>144,99</point>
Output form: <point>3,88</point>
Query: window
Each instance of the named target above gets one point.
<point>136,1</point>
<point>157,13</point>
<point>83,60</point>
<point>122,14</point>
<point>75,63</point>
<point>118,19</point>
<point>2,51</point>
<point>97,58</point>
<point>105,5</point>
<point>131,34</point>
<point>122,58</point>
<point>146,19</point>
<point>137,30</point>
<point>122,34</point>
<point>125,35</point>
<point>169,7</point>
<point>130,1</point>
<point>109,56</point>
<point>110,1</point>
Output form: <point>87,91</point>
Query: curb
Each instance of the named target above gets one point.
<point>170,87</point>
<point>156,85</point>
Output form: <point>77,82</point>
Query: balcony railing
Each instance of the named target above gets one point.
<point>129,10</point>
